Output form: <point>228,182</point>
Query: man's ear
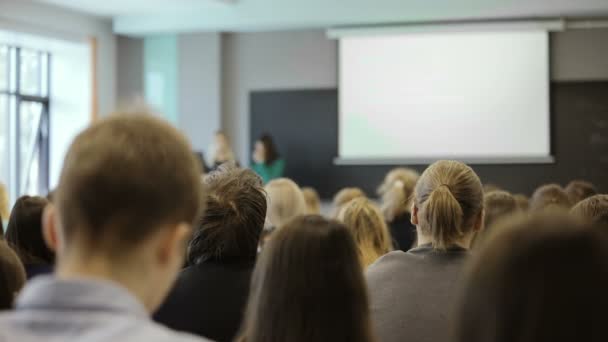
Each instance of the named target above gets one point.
<point>414,217</point>
<point>173,242</point>
<point>50,227</point>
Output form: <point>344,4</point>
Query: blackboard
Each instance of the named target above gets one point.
<point>304,124</point>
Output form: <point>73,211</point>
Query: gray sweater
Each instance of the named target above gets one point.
<point>412,293</point>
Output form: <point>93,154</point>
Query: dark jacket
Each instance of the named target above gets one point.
<point>403,232</point>
<point>412,293</point>
<point>208,299</point>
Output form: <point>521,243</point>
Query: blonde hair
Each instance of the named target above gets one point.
<point>343,197</point>
<point>313,202</point>
<point>593,209</point>
<point>285,201</point>
<point>523,203</point>
<point>396,192</point>
<point>4,211</point>
<point>550,197</point>
<point>449,198</point>
<point>365,221</point>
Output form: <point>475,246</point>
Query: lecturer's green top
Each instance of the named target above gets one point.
<point>269,172</point>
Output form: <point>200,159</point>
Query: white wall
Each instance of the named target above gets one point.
<point>264,61</point>
<point>40,19</point>
<point>199,82</point>
<point>580,55</point>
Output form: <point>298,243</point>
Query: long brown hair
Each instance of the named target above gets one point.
<point>308,286</point>
<point>371,234</point>
<point>12,276</point>
<point>449,199</point>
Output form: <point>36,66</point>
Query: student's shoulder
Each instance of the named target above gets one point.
<point>388,264</point>
<point>160,333</point>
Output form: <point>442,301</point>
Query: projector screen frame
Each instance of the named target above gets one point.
<point>549,25</point>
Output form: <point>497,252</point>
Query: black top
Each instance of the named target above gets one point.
<point>208,299</point>
<point>403,232</point>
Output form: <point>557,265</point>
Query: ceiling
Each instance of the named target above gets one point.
<point>138,17</point>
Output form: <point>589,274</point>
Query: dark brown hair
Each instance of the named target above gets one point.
<point>123,179</point>
<point>542,278</point>
<point>234,217</point>
<point>593,209</point>
<point>12,276</point>
<point>270,149</point>
<point>550,197</point>
<point>308,286</point>
<point>449,198</point>
<point>578,190</point>
<point>24,231</point>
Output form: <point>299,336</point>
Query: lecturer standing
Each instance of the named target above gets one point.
<point>266,160</point>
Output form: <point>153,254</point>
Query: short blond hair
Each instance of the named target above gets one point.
<point>285,201</point>
<point>313,202</point>
<point>367,225</point>
<point>550,197</point>
<point>593,209</point>
<point>343,197</point>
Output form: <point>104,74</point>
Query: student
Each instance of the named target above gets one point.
<point>412,293</point>
<point>220,151</point>
<point>550,197</point>
<point>579,190</point>
<point>266,160</point>
<point>593,210</point>
<point>12,276</point>
<point>523,202</point>
<point>537,279</point>
<point>498,205</point>
<point>313,202</point>
<point>122,213</point>
<point>285,201</point>
<point>24,235</point>
<point>367,225</point>
<point>209,296</point>
<point>396,192</point>
<point>343,197</point>
<point>308,286</point>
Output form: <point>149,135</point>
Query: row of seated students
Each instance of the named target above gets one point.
<point>439,260</point>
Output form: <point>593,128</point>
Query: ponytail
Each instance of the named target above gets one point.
<point>444,215</point>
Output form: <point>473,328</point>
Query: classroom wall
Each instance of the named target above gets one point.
<point>51,21</point>
<point>580,55</point>
<point>130,70</point>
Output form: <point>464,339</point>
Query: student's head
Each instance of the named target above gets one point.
<point>593,209</point>
<point>266,149</point>
<point>523,202</point>
<point>489,187</point>
<point>448,204</point>
<point>128,194</point>
<point>367,225</point>
<point>221,140</point>
<point>550,197</point>
<point>397,192</point>
<point>285,201</point>
<point>24,231</point>
<point>578,190</point>
<point>313,202</point>
<point>498,205</point>
<point>343,197</point>
<point>541,278</point>
<point>230,227</point>
<point>308,286</point>
<point>12,276</point>
<point>4,212</point>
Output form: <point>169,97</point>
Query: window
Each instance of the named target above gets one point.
<point>24,120</point>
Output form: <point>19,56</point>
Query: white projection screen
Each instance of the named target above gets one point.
<point>480,97</point>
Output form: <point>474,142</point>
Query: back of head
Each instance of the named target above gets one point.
<point>579,190</point>
<point>593,210</point>
<point>344,196</point>
<point>233,219</point>
<point>12,276</point>
<point>540,278</point>
<point>313,201</point>
<point>550,197</point>
<point>397,192</point>
<point>367,225</point>
<point>125,178</point>
<point>285,201</point>
<point>270,149</point>
<point>24,231</point>
<point>308,286</point>
<point>523,202</point>
<point>498,205</point>
<point>449,200</point>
